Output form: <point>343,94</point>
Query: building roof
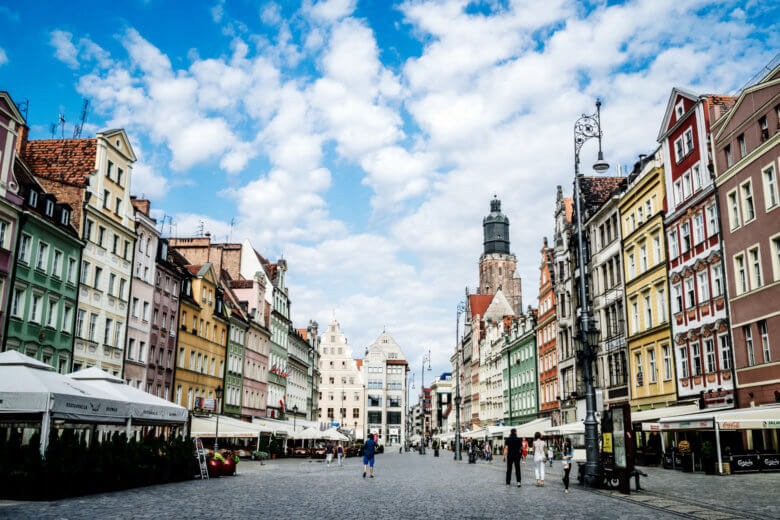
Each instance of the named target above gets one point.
<point>596,190</point>
<point>358,363</point>
<point>568,204</point>
<point>478,303</point>
<point>724,102</point>
<point>68,161</point>
<point>304,333</point>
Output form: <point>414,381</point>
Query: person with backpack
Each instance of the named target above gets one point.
<point>369,448</point>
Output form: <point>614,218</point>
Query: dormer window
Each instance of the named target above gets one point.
<point>65,217</point>
<point>679,109</point>
<point>49,208</point>
<point>33,199</point>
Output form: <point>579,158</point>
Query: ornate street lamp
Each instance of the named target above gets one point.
<point>295,415</point>
<point>218,393</point>
<point>460,310</point>
<point>426,359</point>
<point>585,128</point>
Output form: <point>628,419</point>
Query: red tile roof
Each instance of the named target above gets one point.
<point>194,269</point>
<point>596,190</point>
<point>304,333</point>
<point>478,303</point>
<point>358,363</point>
<point>241,284</point>
<point>63,160</point>
<point>396,362</point>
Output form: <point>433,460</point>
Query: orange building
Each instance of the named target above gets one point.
<point>546,334</point>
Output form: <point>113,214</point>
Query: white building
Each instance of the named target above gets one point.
<point>342,391</point>
<point>385,374</point>
<point>491,388</point>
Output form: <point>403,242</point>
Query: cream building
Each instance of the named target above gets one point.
<point>342,391</point>
<point>385,374</point>
<point>491,389</point>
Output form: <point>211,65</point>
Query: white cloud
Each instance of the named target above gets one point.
<point>148,182</point>
<point>3,57</point>
<point>328,11</point>
<point>64,49</point>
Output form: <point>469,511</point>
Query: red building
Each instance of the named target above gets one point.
<point>700,331</point>
<point>546,334</point>
<point>746,147</point>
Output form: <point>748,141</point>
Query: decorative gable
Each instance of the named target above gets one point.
<point>498,308</point>
<point>678,99</point>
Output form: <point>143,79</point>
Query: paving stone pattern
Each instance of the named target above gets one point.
<point>412,486</point>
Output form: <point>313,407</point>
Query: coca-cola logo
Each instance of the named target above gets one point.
<point>745,463</point>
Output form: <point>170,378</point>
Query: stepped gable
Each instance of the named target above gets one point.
<point>68,161</point>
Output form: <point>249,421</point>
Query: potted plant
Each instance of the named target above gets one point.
<point>214,465</point>
<point>229,462</point>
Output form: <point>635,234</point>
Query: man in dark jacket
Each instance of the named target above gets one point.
<point>512,454</point>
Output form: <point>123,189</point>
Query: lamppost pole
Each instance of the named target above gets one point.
<point>295,416</point>
<point>426,358</point>
<point>585,128</point>
<point>460,309</point>
<point>218,393</point>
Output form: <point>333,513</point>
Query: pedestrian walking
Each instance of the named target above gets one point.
<point>368,456</point>
<point>525,449</point>
<point>512,457</point>
<point>539,448</point>
<point>340,453</point>
<point>328,453</point>
<point>550,455</point>
<point>568,458</point>
<point>487,452</point>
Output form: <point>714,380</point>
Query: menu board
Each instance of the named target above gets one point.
<point>619,438</point>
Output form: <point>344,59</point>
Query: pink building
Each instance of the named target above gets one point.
<point>251,296</point>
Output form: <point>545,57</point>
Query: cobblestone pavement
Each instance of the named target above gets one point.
<point>414,486</point>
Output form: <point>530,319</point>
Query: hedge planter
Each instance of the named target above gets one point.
<point>215,468</point>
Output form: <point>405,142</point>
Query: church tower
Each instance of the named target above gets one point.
<point>497,264</point>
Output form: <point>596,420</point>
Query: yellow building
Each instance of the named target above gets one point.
<point>650,352</point>
<point>202,340</point>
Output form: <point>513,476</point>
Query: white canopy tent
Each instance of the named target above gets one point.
<point>143,408</point>
<point>333,434</point>
<point>278,428</point>
<point>523,430</point>
<point>29,387</point>
<point>573,428</point>
<point>307,434</point>
<point>481,433</point>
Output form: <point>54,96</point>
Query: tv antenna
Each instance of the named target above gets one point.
<point>233,222</point>
<point>201,226</point>
<point>80,126</point>
<point>53,130</point>
<point>24,107</point>
<point>61,121</point>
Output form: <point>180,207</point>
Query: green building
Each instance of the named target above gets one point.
<point>278,369</point>
<point>521,403</point>
<point>45,278</point>
<point>234,371</point>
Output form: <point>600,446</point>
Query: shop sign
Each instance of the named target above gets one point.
<point>606,442</point>
<point>204,403</point>
<point>394,431</point>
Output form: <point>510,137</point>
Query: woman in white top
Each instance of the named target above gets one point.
<point>539,448</point>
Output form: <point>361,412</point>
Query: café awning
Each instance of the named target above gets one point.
<point>648,419</point>
<point>573,428</point>
<point>206,427</point>
<point>758,418</point>
<point>307,434</point>
<point>481,433</point>
<point>143,407</point>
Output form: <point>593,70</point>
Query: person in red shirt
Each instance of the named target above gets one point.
<point>525,449</point>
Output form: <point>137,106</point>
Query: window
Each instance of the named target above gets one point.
<point>685,235</point>
<point>107,331</point>
<point>92,326</point>
<point>678,192</point>
<point>667,363</point>
<point>741,144</point>
<point>657,253</point>
<point>678,302</point>
<point>36,307</point>
<point>696,348</point>
<point>42,258</point>
<point>696,177</point>
<point>3,234</point>
<point>688,135</point>
<point>727,153</point>
<point>121,292</point>
<point>674,249</point>
<point>741,273</point>
<point>70,275</point>
<point>709,355</point>
<point>684,369</point>
<point>49,208</point>
<point>679,149</point>
<point>631,266</point>
<point>643,257</point>
<point>96,278</point>
<point>51,313</point>
<point>81,318</point>
<point>119,173</point>
<point>717,280</point>
<point>686,178</point>
<point>725,352</point>
<point>649,208</point>
<point>635,316</point>
<point>651,366</point>
<point>101,235</point>
<point>690,293</point>
<point>640,214</point>
<point>734,215</point>
<point>88,230</point>
<point>771,197</point>
<point>639,376</point>
<point>67,318</point>
<point>126,256</point>
<point>754,256</point>
<point>109,168</point>
<point>698,228</point>
<point>679,109</point>
<point>17,302</point>
<point>751,358</point>
<point>118,207</point>
<point>106,199</point>
<point>111,283</point>
<point>748,209</point>
<point>661,303</point>
<point>704,288</point>
<point>712,220</point>
<point>648,312</point>
<point>764,333</point>
<point>763,127</point>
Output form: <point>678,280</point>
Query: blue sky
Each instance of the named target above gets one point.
<point>363,139</point>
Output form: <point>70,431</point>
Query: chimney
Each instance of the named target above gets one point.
<point>142,205</point>
<point>21,141</point>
